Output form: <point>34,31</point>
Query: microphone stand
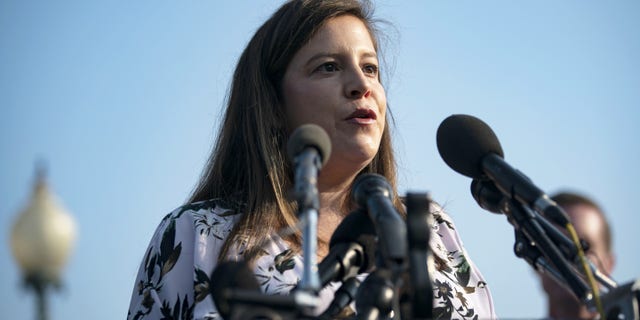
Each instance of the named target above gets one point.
<point>532,242</point>
<point>310,280</point>
<point>237,296</point>
<point>418,299</point>
<point>343,296</point>
<point>570,252</point>
<point>534,246</point>
<point>491,199</point>
<point>623,302</point>
<point>532,235</point>
<point>620,302</point>
<point>252,304</point>
<point>306,297</point>
<point>306,194</point>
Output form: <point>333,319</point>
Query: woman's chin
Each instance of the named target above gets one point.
<point>357,158</point>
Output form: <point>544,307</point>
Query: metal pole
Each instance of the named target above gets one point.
<point>39,285</point>
<point>42,304</point>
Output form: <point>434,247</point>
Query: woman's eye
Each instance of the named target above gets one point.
<point>328,67</point>
<point>370,69</point>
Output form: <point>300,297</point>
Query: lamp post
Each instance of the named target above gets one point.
<point>41,241</point>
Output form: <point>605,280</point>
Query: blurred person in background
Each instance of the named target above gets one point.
<point>591,225</point>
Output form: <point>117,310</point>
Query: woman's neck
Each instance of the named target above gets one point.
<point>334,206</point>
<point>334,188</point>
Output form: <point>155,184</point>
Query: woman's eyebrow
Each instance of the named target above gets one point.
<point>369,54</point>
<point>321,55</point>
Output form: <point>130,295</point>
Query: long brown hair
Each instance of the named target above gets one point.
<point>248,163</point>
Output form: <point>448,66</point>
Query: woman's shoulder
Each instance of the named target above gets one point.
<point>184,249</point>
<point>216,207</point>
<point>211,220</point>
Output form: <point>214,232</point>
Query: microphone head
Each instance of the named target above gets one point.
<point>357,227</point>
<point>227,276</point>
<point>306,136</point>
<point>368,184</point>
<point>376,291</point>
<point>487,195</point>
<point>463,141</point>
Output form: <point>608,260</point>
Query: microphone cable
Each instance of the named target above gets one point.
<point>587,271</point>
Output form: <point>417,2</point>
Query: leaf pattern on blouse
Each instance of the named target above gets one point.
<point>174,279</point>
<point>271,276</point>
<point>162,261</point>
<point>202,285</point>
<point>179,310</point>
<point>451,283</point>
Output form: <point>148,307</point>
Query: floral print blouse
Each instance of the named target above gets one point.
<point>173,281</point>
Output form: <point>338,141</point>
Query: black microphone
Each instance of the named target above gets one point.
<point>375,298</point>
<point>229,276</point>
<point>309,147</point>
<point>352,249</point>
<point>491,199</point>
<point>237,296</point>
<point>488,196</point>
<point>421,265</point>
<point>373,192</point>
<point>343,297</point>
<point>538,242</point>
<point>470,147</point>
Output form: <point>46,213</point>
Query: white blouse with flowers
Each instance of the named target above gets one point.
<point>173,281</point>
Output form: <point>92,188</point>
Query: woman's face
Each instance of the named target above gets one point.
<point>333,82</point>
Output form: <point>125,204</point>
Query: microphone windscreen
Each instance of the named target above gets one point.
<point>368,184</point>
<point>463,141</point>
<point>227,276</point>
<point>309,135</point>
<point>357,227</point>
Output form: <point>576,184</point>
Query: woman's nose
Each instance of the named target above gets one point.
<point>357,85</point>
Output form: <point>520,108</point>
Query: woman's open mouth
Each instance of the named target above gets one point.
<point>362,116</point>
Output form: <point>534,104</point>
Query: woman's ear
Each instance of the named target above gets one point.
<point>609,262</point>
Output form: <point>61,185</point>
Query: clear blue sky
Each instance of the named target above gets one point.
<point>122,100</point>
